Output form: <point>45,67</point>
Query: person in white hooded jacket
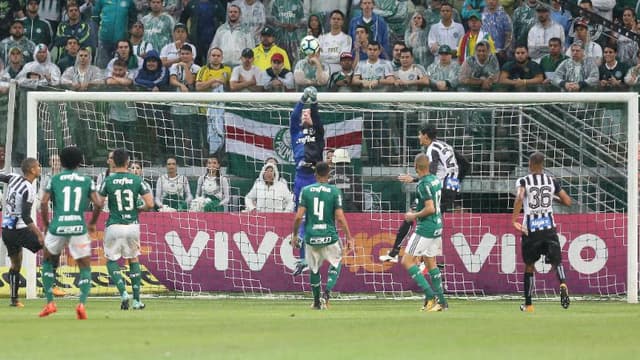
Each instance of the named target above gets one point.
<point>41,71</point>
<point>268,193</point>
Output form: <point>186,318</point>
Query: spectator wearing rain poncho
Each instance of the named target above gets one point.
<point>268,193</point>
<point>82,75</point>
<point>41,71</point>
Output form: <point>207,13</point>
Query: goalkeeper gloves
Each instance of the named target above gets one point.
<point>312,94</point>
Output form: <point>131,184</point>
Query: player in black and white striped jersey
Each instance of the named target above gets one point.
<point>535,194</point>
<point>443,164</point>
<point>18,228</point>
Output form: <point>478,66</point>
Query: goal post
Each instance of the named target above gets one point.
<point>418,107</point>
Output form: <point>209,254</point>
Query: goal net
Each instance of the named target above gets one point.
<point>590,143</point>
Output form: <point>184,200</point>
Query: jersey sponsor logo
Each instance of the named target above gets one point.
<point>123,181</point>
<point>69,218</point>
<point>540,223</point>
<point>282,145</point>
<point>320,240</point>
<point>9,221</point>
<point>320,188</point>
<point>452,184</point>
<point>306,139</point>
<point>319,227</point>
<point>72,177</point>
<point>309,136</point>
<point>72,229</point>
<point>286,15</point>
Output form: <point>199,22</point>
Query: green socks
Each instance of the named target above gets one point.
<point>334,272</point>
<point>85,283</point>
<point>48,279</point>
<point>417,276</point>
<point>116,277</point>
<point>436,280</point>
<point>315,286</point>
<point>134,275</point>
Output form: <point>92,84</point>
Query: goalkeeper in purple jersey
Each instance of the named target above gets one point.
<point>307,142</point>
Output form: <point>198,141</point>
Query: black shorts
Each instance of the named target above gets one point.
<point>448,200</point>
<point>544,242</point>
<point>15,240</point>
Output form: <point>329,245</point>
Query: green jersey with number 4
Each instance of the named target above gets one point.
<point>122,190</point>
<point>320,201</point>
<point>70,193</point>
<point>429,188</point>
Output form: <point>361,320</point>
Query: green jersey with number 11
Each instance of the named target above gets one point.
<point>122,190</point>
<point>429,188</point>
<point>70,193</point>
<point>320,201</point>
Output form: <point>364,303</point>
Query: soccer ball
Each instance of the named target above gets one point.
<point>309,45</point>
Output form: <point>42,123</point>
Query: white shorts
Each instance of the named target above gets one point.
<point>424,246</point>
<point>122,241</point>
<point>79,245</point>
<point>317,254</point>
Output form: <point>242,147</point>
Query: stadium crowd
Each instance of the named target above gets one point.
<point>365,45</point>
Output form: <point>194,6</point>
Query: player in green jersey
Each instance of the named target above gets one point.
<point>122,235</point>
<point>69,193</point>
<point>426,240</point>
<point>324,203</point>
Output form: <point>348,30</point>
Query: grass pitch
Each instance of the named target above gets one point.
<point>288,329</point>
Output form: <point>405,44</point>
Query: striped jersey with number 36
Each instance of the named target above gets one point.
<point>539,190</point>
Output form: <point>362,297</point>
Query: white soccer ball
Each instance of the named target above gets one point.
<point>309,45</point>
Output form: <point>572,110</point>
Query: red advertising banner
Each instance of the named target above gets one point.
<point>481,253</point>
<point>250,253</point>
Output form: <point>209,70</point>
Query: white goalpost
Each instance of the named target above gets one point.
<point>590,141</point>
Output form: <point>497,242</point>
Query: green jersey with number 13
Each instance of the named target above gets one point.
<point>70,193</point>
<point>320,201</point>
<point>122,190</point>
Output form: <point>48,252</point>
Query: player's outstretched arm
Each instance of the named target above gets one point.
<point>27,204</point>
<point>149,203</point>
<point>406,178</point>
<point>97,208</point>
<point>564,198</point>
<point>517,207</point>
<point>296,118</point>
<point>44,210</point>
<point>315,113</point>
<point>428,209</point>
<point>296,225</point>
